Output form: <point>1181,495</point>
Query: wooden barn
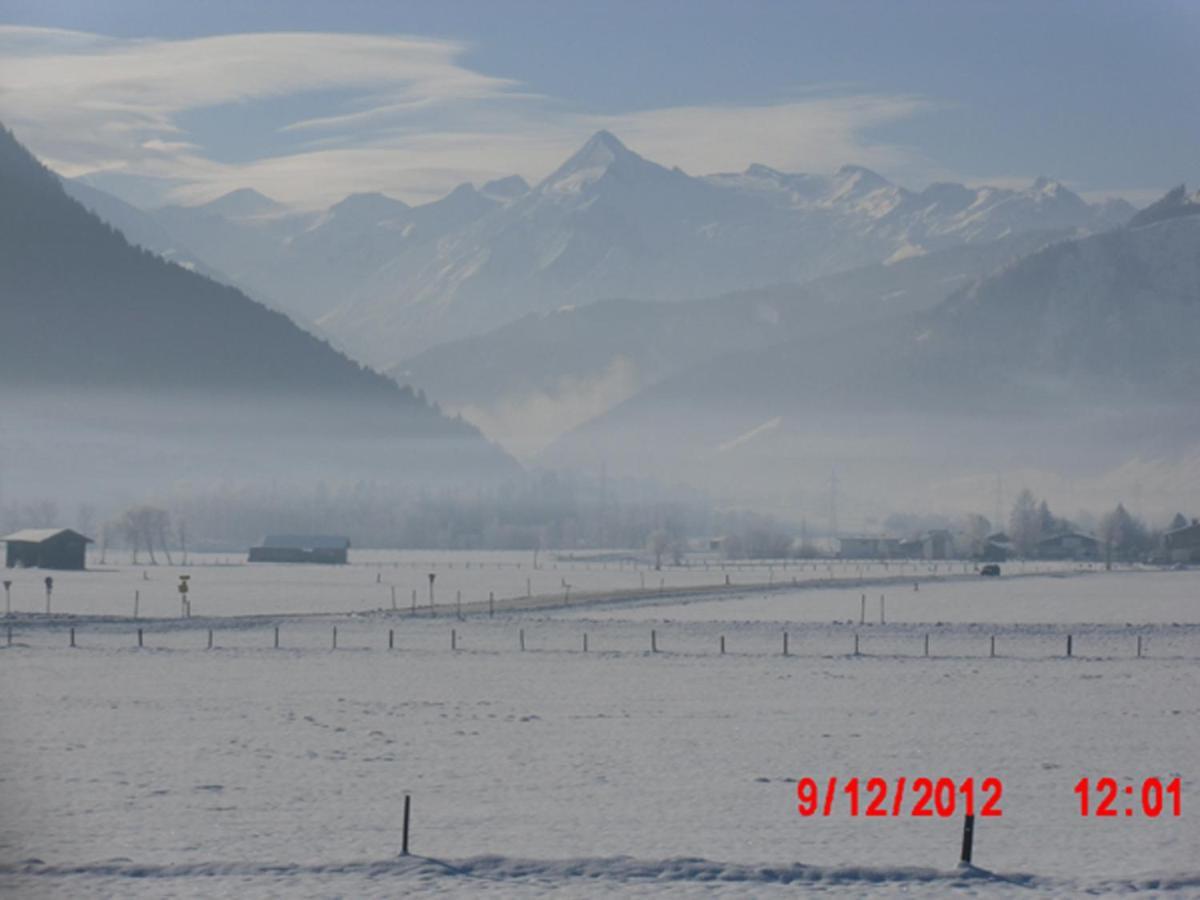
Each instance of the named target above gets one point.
<point>46,548</point>
<point>302,548</point>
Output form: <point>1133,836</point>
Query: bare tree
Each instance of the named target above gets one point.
<point>141,527</point>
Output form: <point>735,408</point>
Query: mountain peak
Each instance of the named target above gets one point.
<point>862,176</point>
<point>1173,204</point>
<point>1044,185</point>
<point>505,188</point>
<point>608,140</point>
<point>370,200</point>
<point>601,153</point>
<point>242,202</point>
<point>758,170</point>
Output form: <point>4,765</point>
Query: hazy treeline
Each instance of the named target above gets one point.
<point>546,511</point>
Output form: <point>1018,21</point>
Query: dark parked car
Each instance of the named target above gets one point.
<point>990,569</point>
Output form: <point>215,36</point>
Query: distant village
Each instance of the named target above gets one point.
<point>1033,533</point>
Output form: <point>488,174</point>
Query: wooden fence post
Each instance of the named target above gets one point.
<point>73,637</point>
<point>785,647</point>
<point>334,646</point>
<point>722,645</point>
<point>653,641</point>
<point>139,637</point>
<point>210,639</point>
<point>522,639</point>
<point>968,841</point>
<point>391,639</point>
<point>407,811</point>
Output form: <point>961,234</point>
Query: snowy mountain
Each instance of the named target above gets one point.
<point>138,227</point>
<point>99,338</point>
<point>528,381</point>
<point>388,281</point>
<point>1082,350</point>
<point>609,223</point>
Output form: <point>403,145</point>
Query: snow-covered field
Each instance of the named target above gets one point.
<point>252,771</point>
<point>224,585</point>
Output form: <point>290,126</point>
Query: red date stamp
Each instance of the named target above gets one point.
<point>917,797</point>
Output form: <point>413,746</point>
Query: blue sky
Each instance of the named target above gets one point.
<point>413,97</point>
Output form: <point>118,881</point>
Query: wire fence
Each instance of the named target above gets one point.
<point>393,634</point>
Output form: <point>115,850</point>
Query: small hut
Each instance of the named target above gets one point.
<point>302,548</point>
<point>46,548</point>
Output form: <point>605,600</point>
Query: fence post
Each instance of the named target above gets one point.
<point>882,617</point>
<point>862,614</point>
<point>993,646</point>
<point>139,638</point>
<point>458,605</point>
<point>453,639</point>
<point>785,647</point>
<point>137,600</point>
<point>391,639</point>
<point>585,642</point>
<point>722,645</point>
<point>856,645</point>
<point>210,639</point>
<point>1139,649</point>
<point>73,637</point>
<point>334,647</point>
<point>522,639</point>
<point>491,604</point>
<point>1068,645</point>
<point>276,637</point>
<point>926,644</point>
<point>653,641</point>
<point>407,810</point>
<point>968,841</point>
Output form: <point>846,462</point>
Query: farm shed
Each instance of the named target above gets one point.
<point>46,548</point>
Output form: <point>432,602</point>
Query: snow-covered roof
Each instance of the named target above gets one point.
<point>37,535</point>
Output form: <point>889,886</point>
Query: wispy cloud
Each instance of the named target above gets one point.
<point>400,114</point>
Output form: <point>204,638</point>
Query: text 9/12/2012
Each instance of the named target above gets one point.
<point>917,797</point>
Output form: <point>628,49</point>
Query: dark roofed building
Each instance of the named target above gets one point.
<point>46,548</point>
<point>1069,545</point>
<point>1183,544</point>
<point>310,548</point>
